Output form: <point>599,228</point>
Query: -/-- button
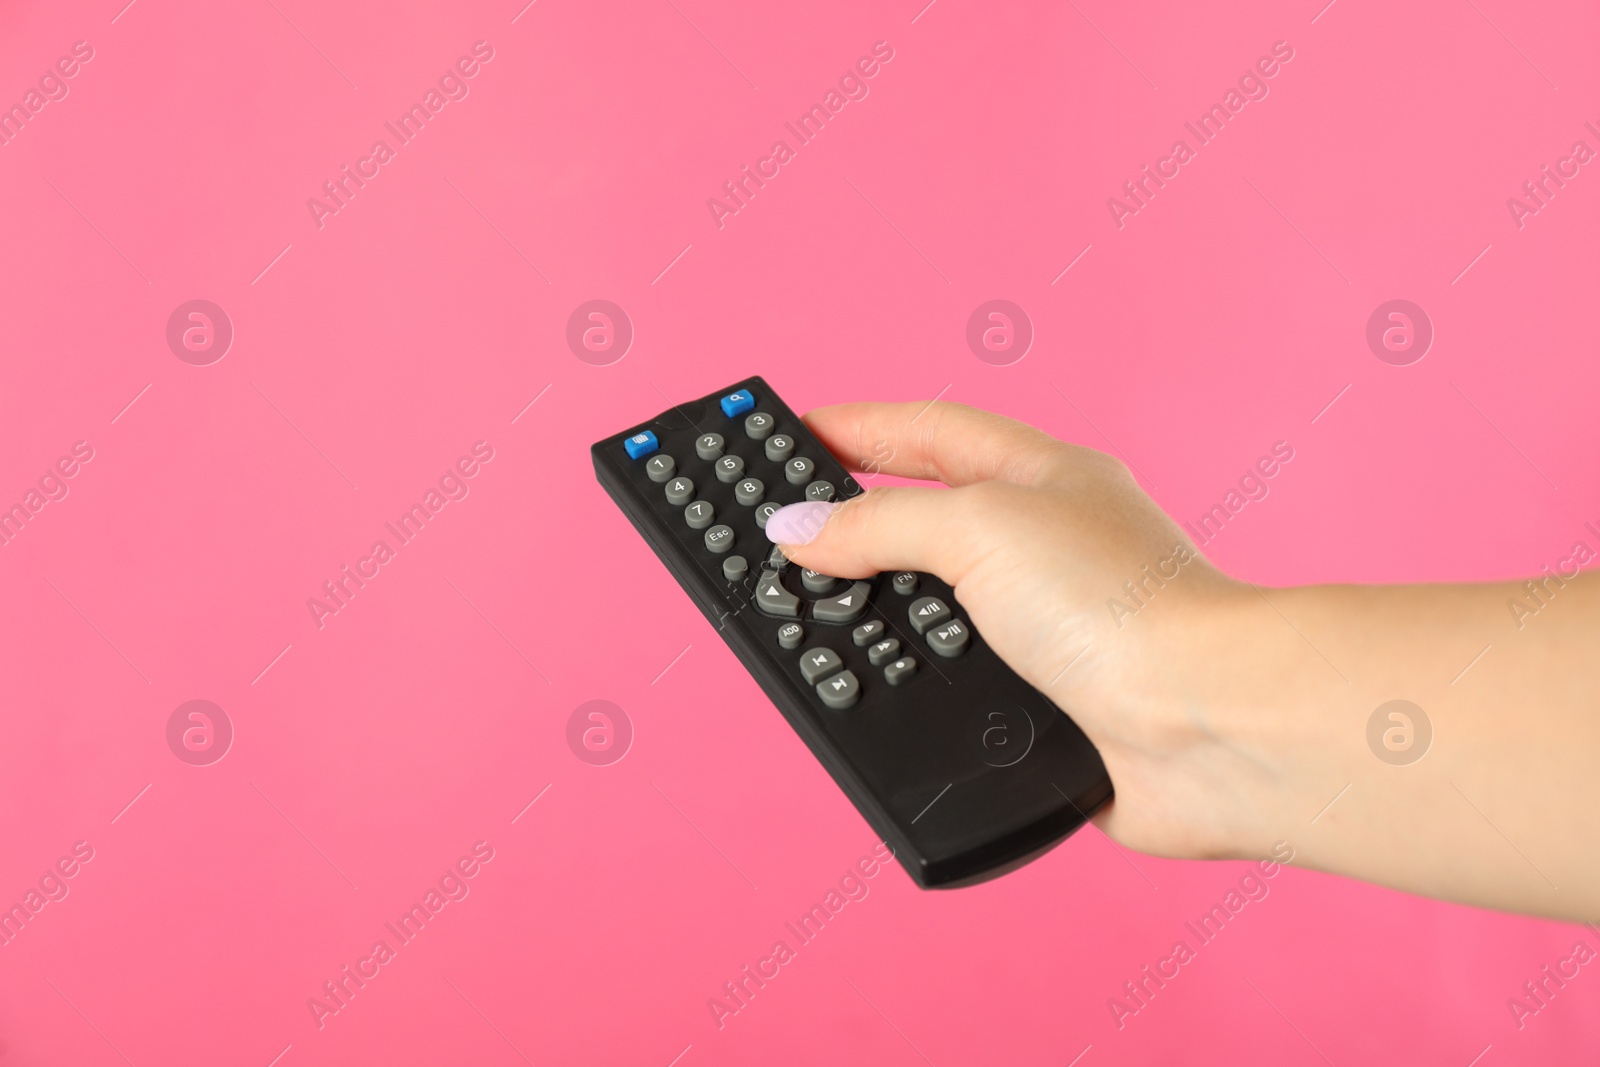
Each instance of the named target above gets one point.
<point>900,670</point>
<point>708,446</point>
<point>884,651</point>
<point>719,538</point>
<point>841,691</point>
<point>867,633</point>
<point>950,640</point>
<point>660,467</point>
<point>773,599</point>
<point>790,634</point>
<point>680,491</point>
<point>799,470</point>
<point>699,515</point>
<point>778,447</point>
<point>846,607</point>
<point>820,490</point>
<point>749,493</point>
<point>758,425</point>
<point>927,613</point>
<point>730,469</point>
<point>817,663</point>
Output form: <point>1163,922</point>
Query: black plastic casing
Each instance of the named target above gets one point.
<point>966,771</point>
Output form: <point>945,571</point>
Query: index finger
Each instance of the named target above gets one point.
<point>937,441</point>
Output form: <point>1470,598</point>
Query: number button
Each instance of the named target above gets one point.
<point>660,468</point>
<point>709,446</point>
<point>680,491</point>
<point>758,426</point>
<point>699,515</point>
<point>730,469</point>
<point>799,470</point>
<point>779,447</point>
<point>764,512</point>
<point>749,493</point>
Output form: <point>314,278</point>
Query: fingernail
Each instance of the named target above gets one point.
<point>798,524</point>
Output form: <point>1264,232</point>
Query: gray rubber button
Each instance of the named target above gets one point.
<point>799,470</point>
<point>734,568</point>
<point>867,633</point>
<point>790,634</point>
<point>817,663</point>
<point>699,515</point>
<point>773,599</point>
<point>846,607</point>
<point>884,651</point>
<point>719,539</point>
<point>708,446</point>
<point>660,467</point>
<point>776,560</point>
<point>950,640</point>
<point>900,670</point>
<point>905,583</point>
<point>758,425</point>
<point>764,512</point>
<point>841,691</point>
<point>819,490</point>
<point>749,493</point>
<point>818,583</point>
<point>729,469</point>
<point>779,446</point>
<point>927,613</point>
<point>680,491</point>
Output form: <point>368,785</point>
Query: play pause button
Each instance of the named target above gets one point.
<point>928,612</point>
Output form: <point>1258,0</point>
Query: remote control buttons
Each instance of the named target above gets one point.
<point>719,539</point>
<point>818,583</point>
<point>773,599</point>
<point>729,469</point>
<point>758,426</point>
<point>950,640</point>
<point>738,403</point>
<point>776,560</point>
<point>749,493</point>
<point>900,671</point>
<point>680,491</point>
<point>734,568</point>
<point>867,633</point>
<point>709,446</point>
<point>763,513</point>
<point>641,444</point>
<point>819,490</point>
<point>699,515</point>
<point>799,470</point>
<point>847,607</point>
<point>817,663</point>
<point>905,583</point>
<point>660,467</point>
<point>841,691</point>
<point>790,634</point>
<point>884,651</point>
<point>927,613</point>
<point>779,446</point>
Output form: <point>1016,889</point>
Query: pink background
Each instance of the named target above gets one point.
<point>371,352</point>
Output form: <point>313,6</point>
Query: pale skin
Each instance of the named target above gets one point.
<point>1234,716</point>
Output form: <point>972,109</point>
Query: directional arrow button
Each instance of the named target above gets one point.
<point>846,607</point>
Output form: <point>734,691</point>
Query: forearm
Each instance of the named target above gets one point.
<point>1502,806</point>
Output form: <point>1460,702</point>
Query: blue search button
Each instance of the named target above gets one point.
<point>738,403</point>
<point>641,444</point>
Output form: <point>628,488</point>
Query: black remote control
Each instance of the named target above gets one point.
<point>965,769</point>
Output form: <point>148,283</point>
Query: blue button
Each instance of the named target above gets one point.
<point>738,403</point>
<point>641,444</point>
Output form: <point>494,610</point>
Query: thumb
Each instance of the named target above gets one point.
<point>891,528</point>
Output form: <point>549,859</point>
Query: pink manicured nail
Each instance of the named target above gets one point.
<point>798,524</point>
